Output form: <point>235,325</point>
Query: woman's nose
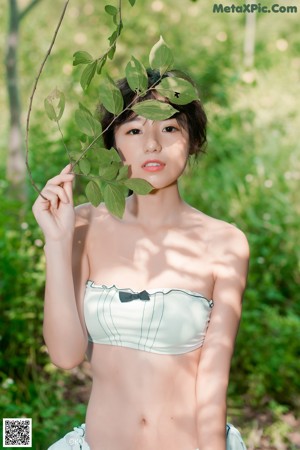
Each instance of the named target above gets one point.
<point>152,144</point>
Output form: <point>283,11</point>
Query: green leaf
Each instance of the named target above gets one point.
<point>136,75</point>
<point>95,145</point>
<point>123,173</point>
<point>82,58</point>
<point>85,166</point>
<point>88,74</point>
<point>110,96</point>
<point>100,64</point>
<point>177,90</point>
<point>110,171</point>
<point>105,156</point>
<point>75,155</point>
<point>55,105</point>
<point>138,185</point>
<point>114,199</point>
<point>115,155</point>
<point>84,108</point>
<point>113,37</point>
<point>132,2</point>
<point>111,10</point>
<point>93,193</point>
<point>50,111</point>
<point>87,124</point>
<point>112,52</point>
<point>161,57</point>
<point>154,110</point>
<point>84,143</point>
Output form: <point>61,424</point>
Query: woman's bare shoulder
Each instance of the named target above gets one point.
<point>221,234</point>
<point>228,239</point>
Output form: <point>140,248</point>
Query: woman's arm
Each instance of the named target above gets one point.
<point>230,274</point>
<point>66,271</point>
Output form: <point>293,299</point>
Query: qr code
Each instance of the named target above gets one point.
<point>17,432</point>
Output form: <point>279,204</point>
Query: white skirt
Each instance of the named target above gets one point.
<point>234,439</point>
<point>75,440</point>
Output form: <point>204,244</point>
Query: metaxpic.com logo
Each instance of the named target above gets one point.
<point>254,8</point>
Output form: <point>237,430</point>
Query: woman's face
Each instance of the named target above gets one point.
<point>156,151</point>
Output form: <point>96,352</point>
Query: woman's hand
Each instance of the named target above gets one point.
<point>56,215</point>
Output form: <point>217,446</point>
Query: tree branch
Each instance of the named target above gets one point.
<point>28,8</point>
<point>33,92</point>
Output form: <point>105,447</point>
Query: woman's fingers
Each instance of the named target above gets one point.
<point>53,192</point>
<point>61,178</point>
<point>67,169</point>
<point>64,176</point>
<point>53,209</point>
<point>57,189</point>
<point>68,185</point>
<point>61,185</point>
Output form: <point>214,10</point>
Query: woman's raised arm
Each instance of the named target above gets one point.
<point>66,271</point>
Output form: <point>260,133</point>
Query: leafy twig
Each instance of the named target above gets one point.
<point>113,175</point>
<point>95,65</point>
<point>119,28</point>
<point>118,32</point>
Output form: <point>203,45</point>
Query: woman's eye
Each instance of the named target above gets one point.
<point>134,131</point>
<point>170,129</point>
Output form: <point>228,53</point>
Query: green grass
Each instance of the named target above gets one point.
<point>249,177</point>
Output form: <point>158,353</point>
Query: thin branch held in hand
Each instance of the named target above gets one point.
<point>33,93</point>
<point>63,140</point>
<point>119,29</point>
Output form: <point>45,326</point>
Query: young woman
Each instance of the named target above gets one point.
<point>154,298</point>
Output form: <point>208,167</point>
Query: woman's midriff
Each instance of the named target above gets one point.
<point>141,400</point>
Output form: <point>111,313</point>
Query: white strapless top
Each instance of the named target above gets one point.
<point>167,321</point>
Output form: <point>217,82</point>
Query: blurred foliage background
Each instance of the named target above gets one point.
<point>249,176</point>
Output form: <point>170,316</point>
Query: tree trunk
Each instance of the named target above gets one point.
<point>249,41</point>
<point>16,169</point>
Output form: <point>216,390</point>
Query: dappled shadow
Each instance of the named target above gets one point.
<point>161,389</point>
<point>144,259</point>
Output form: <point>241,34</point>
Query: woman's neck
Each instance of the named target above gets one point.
<point>159,208</point>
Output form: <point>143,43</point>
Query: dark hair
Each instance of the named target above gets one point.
<point>191,116</point>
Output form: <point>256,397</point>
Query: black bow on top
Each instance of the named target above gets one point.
<point>128,296</point>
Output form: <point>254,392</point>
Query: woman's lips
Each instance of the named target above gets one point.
<point>153,165</point>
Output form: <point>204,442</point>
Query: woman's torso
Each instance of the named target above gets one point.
<point>141,399</point>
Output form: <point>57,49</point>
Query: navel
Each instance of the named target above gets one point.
<point>143,421</point>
